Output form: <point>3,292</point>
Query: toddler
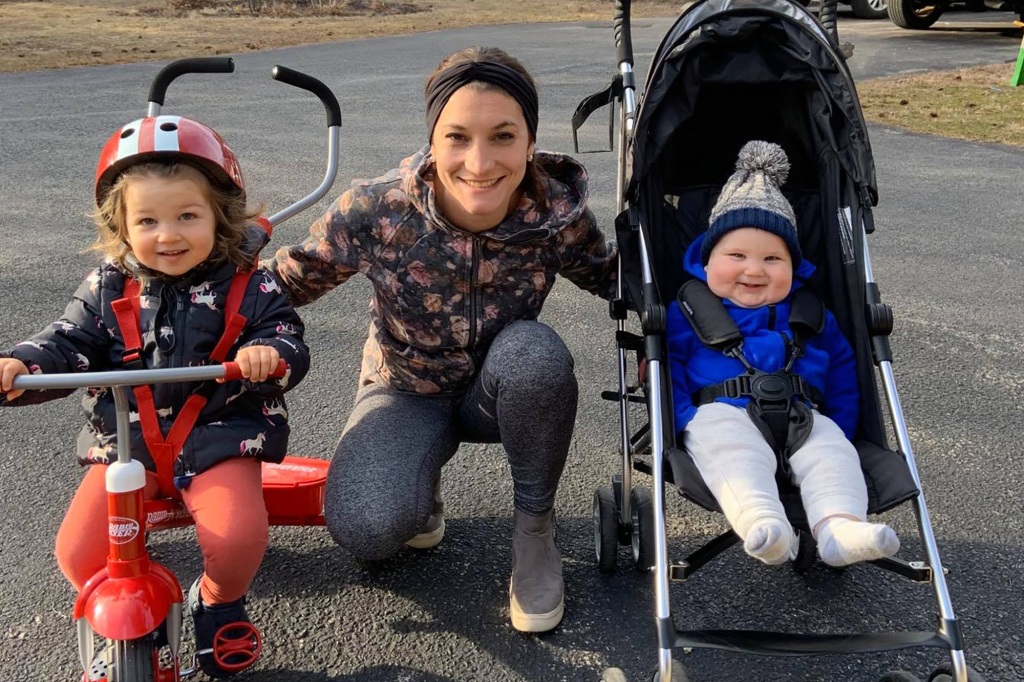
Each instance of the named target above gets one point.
<point>178,287</point>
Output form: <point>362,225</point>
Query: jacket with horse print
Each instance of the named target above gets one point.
<point>181,320</point>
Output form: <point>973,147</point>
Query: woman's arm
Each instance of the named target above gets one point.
<point>328,257</point>
<point>587,259</point>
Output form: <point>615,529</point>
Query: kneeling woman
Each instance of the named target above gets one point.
<point>462,244</point>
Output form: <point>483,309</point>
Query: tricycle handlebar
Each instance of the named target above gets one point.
<point>139,377</point>
<point>330,102</point>
<point>306,82</point>
<point>158,91</point>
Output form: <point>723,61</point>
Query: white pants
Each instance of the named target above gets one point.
<point>738,467</point>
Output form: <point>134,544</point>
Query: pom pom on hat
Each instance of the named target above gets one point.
<point>752,198</point>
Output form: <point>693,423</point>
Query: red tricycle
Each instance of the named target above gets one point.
<point>134,603</point>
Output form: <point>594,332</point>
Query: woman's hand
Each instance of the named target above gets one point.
<point>10,368</point>
<point>257,362</point>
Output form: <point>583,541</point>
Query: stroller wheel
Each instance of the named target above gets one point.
<point>806,552</point>
<point>606,528</point>
<point>899,676</point>
<point>944,673</point>
<point>642,537</point>
<point>678,673</point>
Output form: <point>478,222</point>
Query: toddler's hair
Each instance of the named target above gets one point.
<point>229,207</point>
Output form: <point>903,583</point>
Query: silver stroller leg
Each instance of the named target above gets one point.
<point>948,624</point>
<point>625,127</point>
<point>663,617</point>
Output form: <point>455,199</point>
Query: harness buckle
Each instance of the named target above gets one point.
<point>773,386</point>
<point>132,359</point>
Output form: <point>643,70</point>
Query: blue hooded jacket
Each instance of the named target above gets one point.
<point>829,363</point>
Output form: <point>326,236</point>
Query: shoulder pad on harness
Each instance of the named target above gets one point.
<point>807,313</point>
<point>707,315</point>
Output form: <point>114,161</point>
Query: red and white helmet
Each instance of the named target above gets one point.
<point>161,137</point>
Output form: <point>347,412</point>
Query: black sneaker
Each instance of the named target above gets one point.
<point>226,641</point>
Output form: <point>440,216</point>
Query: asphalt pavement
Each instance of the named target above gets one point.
<point>946,254</point>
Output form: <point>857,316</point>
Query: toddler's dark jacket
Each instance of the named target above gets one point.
<point>181,321</point>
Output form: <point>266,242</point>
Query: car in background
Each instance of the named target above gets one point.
<point>920,14</point>
<point>868,9</point>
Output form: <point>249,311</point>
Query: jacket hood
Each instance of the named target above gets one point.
<point>693,265</point>
<point>567,197</point>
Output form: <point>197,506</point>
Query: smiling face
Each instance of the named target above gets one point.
<point>750,267</point>
<point>170,222</point>
<point>480,144</point>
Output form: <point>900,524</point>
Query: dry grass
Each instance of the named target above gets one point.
<point>47,34</point>
<point>970,104</point>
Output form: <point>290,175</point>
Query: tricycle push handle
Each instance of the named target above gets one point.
<point>623,37</point>
<point>228,371</point>
<point>306,82</point>
<point>330,102</point>
<point>158,91</point>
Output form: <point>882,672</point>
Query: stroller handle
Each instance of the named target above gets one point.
<point>158,91</point>
<point>623,37</point>
<point>228,371</point>
<point>307,82</point>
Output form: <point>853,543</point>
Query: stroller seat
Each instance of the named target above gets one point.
<point>888,481</point>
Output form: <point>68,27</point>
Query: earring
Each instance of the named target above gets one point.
<point>529,158</point>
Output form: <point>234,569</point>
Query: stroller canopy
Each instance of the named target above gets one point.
<point>763,45</point>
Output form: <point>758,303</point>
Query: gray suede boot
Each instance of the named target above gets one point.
<point>536,591</point>
<point>431,533</point>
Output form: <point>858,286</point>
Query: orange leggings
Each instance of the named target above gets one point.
<point>226,503</point>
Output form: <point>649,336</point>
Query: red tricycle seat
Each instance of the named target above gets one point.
<point>294,491</point>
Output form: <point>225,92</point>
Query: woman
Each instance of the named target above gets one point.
<point>462,244</point>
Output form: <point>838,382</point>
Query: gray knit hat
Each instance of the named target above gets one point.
<point>751,198</point>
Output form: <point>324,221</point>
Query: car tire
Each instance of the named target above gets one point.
<point>870,9</point>
<point>915,14</point>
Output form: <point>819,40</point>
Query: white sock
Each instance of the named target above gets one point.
<point>770,540</point>
<point>843,541</point>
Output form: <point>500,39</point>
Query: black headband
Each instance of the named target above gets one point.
<point>505,77</point>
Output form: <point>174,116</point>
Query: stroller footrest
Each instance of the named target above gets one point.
<point>792,644</point>
<point>918,571</point>
<point>615,396</point>
<point>702,556</point>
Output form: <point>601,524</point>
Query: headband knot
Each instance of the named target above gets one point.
<point>444,85</point>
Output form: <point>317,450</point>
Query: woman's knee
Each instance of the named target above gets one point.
<point>366,514</point>
<point>533,353</point>
<point>365,529</point>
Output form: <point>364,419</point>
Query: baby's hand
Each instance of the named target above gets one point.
<point>10,368</point>
<point>257,362</point>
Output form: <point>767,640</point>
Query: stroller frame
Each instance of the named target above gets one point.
<point>638,519</point>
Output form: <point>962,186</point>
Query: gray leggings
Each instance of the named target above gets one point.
<point>380,483</point>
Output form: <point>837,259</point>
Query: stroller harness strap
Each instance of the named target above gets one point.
<point>164,450</point>
<point>783,421</point>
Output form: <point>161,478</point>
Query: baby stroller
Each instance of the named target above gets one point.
<point>727,72</point>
